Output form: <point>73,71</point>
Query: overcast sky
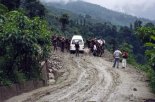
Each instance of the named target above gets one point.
<point>140,8</point>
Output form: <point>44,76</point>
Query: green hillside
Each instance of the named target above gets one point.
<point>96,12</point>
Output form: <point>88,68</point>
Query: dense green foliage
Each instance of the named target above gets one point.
<point>147,36</point>
<point>32,8</point>
<point>11,4</point>
<point>24,44</point>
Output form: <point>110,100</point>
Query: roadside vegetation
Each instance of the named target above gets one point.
<point>24,43</point>
<point>147,36</point>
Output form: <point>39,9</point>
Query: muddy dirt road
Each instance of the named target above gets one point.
<point>92,79</point>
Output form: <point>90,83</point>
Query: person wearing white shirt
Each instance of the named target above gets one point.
<point>94,50</point>
<point>117,55</point>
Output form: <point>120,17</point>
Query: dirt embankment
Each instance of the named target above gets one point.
<point>87,78</point>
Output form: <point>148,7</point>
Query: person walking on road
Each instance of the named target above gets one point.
<point>125,56</point>
<point>62,44</point>
<point>94,50</point>
<point>54,44</point>
<point>117,55</point>
<point>77,48</point>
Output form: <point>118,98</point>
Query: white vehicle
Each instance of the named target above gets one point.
<point>75,39</point>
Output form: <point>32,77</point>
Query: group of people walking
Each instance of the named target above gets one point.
<point>96,47</point>
<point>61,42</point>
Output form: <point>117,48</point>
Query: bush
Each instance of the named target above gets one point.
<point>24,43</point>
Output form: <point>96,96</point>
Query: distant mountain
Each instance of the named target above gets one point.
<point>96,12</point>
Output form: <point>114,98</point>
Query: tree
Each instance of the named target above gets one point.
<point>3,9</point>
<point>24,44</point>
<point>64,20</point>
<point>114,44</point>
<point>34,8</point>
<point>131,26</point>
<point>137,24</point>
<point>11,4</point>
<point>149,24</point>
<point>88,16</point>
<point>147,35</point>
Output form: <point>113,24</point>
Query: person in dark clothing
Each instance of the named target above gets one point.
<point>62,44</point>
<point>77,48</point>
<point>55,44</point>
<point>92,43</point>
<point>67,44</point>
<point>88,43</point>
<point>58,41</point>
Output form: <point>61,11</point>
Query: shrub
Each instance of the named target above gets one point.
<point>24,43</point>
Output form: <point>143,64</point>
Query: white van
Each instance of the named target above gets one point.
<point>77,38</point>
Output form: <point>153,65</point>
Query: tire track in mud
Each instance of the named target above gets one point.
<point>89,80</point>
<point>95,82</point>
<point>71,79</point>
<point>107,83</point>
<point>83,83</point>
